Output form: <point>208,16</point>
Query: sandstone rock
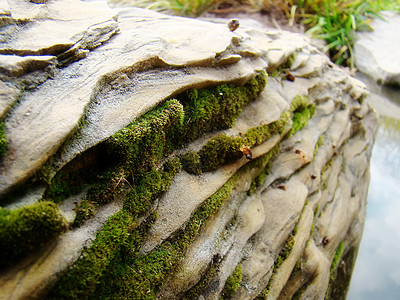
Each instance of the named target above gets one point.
<point>280,212</point>
<point>375,52</point>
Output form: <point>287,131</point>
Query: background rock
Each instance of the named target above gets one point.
<point>375,52</point>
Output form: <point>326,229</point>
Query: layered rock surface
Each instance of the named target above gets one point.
<point>176,173</point>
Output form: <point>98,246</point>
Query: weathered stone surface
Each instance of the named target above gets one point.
<point>282,217</point>
<point>376,52</point>
<point>94,85</point>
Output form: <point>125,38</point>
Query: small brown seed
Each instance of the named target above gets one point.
<point>233,24</point>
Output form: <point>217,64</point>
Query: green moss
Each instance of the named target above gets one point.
<point>191,162</point>
<point>143,142</point>
<point>84,211</point>
<point>318,144</point>
<point>81,280</point>
<point>216,108</point>
<point>149,186</point>
<point>302,111</point>
<point>25,229</point>
<point>194,292</point>
<point>326,167</point>
<point>63,185</point>
<point>232,283</point>
<point>333,268</point>
<point>256,183</point>
<point>224,149</point>
<point>113,266</point>
<point>3,139</point>
<point>336,258</point>
<point>141,275</point>
<point>283,255</point>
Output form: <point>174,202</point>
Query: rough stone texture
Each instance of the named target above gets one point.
<point>96,73</point>
<point>376,52</point>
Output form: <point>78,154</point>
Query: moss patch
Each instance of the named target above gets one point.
<point>302,110</point>
<point>283,254</point>
<point>113,266</point>
<point>140,147</point>
<point>232,283</point>
<point>3,139</point>
<point>319,143</point>
<point>216,108</point>
<point>24,229</point>
<point>224,149</point>
<point>195,291</point>
<point>333,269</point>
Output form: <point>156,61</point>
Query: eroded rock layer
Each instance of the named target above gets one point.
<point>146,156</point>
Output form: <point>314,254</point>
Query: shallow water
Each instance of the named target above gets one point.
<point>377,270</point>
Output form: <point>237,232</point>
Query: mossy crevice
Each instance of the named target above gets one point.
<point>318,144</point>
<point>114,266</point>
<point>216,108</point>
<point>333,268</point>
<point>140,173</point>
<point>27,228</point>
<point>141,146</point>
<point>3,140</point>
<point>302,110</point>
<point>224,149</point>
<point>232,283</point>
<point>282,256</point>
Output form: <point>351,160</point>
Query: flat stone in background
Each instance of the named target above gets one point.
<point>377,52</point>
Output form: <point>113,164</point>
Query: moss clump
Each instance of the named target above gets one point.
<point>24,229</point>
<point>216,108</point>
<point>257,182</point>
<point>318,144</point>
<point>150,185</point>
<point>63,185</point>
<point>139,147</point>
<point>232,283</point>
<point>224,149</point>
<point>302,111</point>
<point>283,254</point>
<point>191,162</point>
<point>113,266</point>
<point>333,269</point>
<point>81,280</point>
<point>84,211</point>
<point>3,139</point>
<point>137,276</point>
<point>194,292</point>
<point>265,161</point>
<point>142,143</point>
<point>336,258</point>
